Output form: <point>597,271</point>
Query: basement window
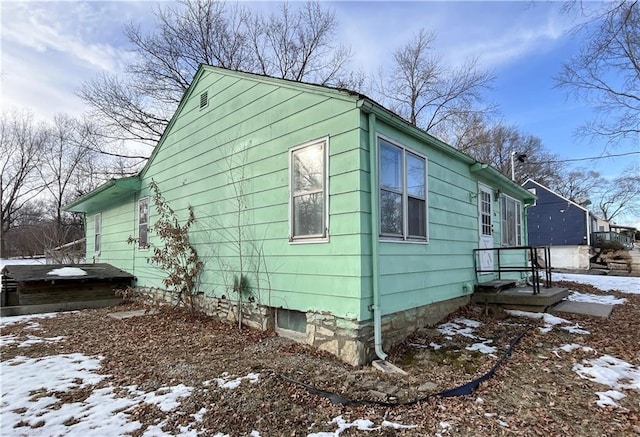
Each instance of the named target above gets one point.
<point>204,99</point>
<point>291,320</point>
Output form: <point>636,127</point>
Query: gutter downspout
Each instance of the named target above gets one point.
<point>375,262</point>
<point>588,228</point>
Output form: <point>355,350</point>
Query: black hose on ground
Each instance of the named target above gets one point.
<point>462,390</point>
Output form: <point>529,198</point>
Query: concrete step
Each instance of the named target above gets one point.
<point>496,285</point>
<point>522,297</point>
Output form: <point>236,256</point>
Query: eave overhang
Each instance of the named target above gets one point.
<point>109,193</point>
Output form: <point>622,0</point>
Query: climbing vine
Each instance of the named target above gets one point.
<point>176,256</point>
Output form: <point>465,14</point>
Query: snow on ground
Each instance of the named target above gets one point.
<point>32,389</point>
<point>574,346</point>
<point>67,271</point>
<point>359,424</point>
<point>459,326</point>
<point>482,347</point>
<point>20,261</point>
<point>576,296</point>
<point>225,382</point>
<point>550,321</point>
<point>614,372</point>
<point>29,319</point>
<point>623,284</point>
<point>465,328</point>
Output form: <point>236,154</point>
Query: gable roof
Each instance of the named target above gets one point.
<point>557,195</point>
<point>364,103</point>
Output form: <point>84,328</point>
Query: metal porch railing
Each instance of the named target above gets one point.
<point>599,238</point>
<point>535,261</point>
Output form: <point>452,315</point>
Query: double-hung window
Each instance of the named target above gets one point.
<point>143,223</point>
<point>511,224</point>
<point>97,232</point>
<point>308,202</point>
<point>403,192</point>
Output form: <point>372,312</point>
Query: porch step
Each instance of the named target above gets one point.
<point>522,298</point>
<point>495,286</point>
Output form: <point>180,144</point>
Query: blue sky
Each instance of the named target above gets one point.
<point>50,48</point>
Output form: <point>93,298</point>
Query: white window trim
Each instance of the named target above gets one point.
<point>97,218</point>
<point>319,238</point>
<point>405,238</point>
<point>533,191</point>
<point>517,225</point>
<point>143,248</point>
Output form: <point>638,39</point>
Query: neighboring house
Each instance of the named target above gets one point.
<point>340,246</point>
<point>567,227</point>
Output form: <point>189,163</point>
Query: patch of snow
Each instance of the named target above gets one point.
<point>576,296</point>
<point>503,423</point>
<point>166,398</point>
<point>359,424</point>
<point>394,425</point>
<point>21,262</point>
<point>435,346</point>
<point>30,385</point>
<point>614,372</point>
<point>225,382</point>
<point>609,398</point>
<point>574,346</point>
<point>482,347</point>
<point>445,425</point>
<point>32,339</point>
<point>459,326</point>
<point>549,321</point>
<point>576,329</point>
<point>67,271</point>
<point>624,284</point>
<point>6,321</point>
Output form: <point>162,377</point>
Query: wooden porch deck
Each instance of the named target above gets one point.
<point>506,295</point>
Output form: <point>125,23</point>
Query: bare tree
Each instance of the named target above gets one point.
<point>65,158</point>
<point>495,144</point>
<point>295,44</point>
<point>578,185</point>
<point>621,195</point>
<point>298,45</point>
<point>21,144</point>
<point>429,94</point>
<point>606,72</point>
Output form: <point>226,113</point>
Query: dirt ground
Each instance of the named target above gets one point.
<point>534,391</point>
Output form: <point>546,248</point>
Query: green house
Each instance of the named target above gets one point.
<point>353,227</point>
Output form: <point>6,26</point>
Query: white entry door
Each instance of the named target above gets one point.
<point>485,217</point>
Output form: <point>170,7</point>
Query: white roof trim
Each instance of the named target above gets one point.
<point>559,195</point>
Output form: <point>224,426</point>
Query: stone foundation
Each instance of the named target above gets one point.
<point>350,340</point>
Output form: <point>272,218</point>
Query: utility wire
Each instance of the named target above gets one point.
<point>588,159</point>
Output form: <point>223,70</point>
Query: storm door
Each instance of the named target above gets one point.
<point>485,217</point>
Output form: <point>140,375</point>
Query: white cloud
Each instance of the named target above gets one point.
<point>49,49</point>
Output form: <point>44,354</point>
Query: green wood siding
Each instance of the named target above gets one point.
<point>117,224</point>
<point>244,136</point>
<point>240,142</point>
<point>417,273</point>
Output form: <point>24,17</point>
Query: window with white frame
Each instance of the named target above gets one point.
<point>143,223</point>
<point>308,202</point>
<point>403,192</point>
<point>510,216</point>
<point>97,232</point>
